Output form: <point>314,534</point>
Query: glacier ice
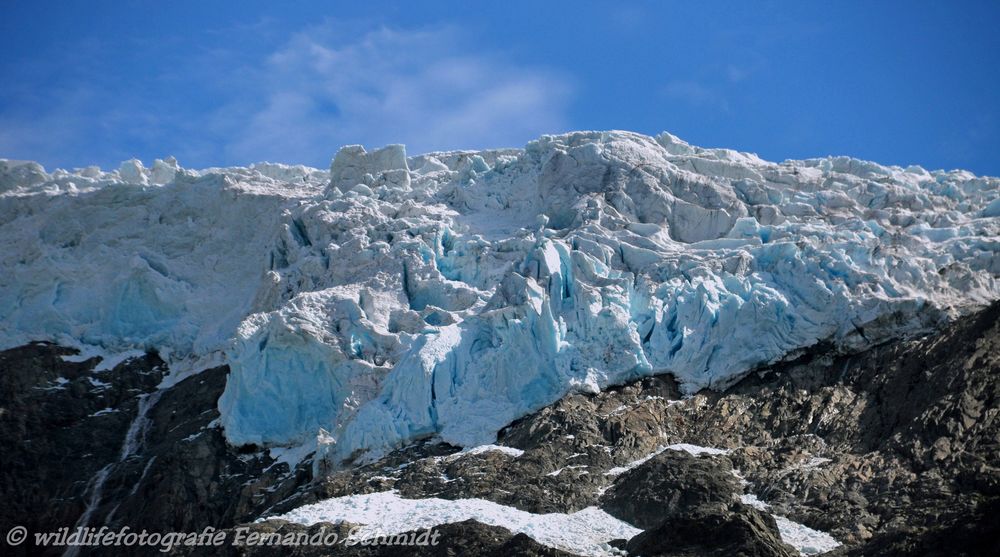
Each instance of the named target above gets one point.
<point>446,294</point>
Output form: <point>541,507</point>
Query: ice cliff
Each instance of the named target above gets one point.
<point>448,294</point>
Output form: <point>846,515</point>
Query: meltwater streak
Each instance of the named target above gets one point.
<point>132,443</point>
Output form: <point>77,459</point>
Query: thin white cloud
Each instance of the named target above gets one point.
<point>325,88</point>
<point>697,94</point>
<point>254,94</point>
<point>735,73</point>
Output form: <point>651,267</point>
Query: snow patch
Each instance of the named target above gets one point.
<point>803,538</point>
<point>815,462</point>
<point>585,532</point>
<point>58,384</point>
<point>556,473</point>
<point>292,456</point>
<point>109,359</point>
<point>511,451</point>
<point>693,450</point>
<point>113,360</point>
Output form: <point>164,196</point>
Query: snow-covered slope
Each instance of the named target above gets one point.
<point>450,293</point>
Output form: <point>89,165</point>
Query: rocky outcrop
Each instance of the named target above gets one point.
<point>669,484</point>
<point>965,535</point>
<point>713,530</point>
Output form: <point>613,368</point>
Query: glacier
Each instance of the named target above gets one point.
<point>396,297</point>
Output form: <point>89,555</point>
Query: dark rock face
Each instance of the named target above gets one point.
<point>912,431</point>
<point>107,448</point>
<point>186,477</point>
<point>60,424</point>
<point>966,536</point>
<point>713,530</point>
<point>894,450</point>
<point>670,484</point>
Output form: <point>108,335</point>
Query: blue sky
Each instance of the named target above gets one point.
<point>217,83</point>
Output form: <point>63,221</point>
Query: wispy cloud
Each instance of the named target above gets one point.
<point>736,74</point>
<point>325,87</point>
<point>697,93</point>
<point>720,80</point>
<point>291,98</point>
<point>49,106</point>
